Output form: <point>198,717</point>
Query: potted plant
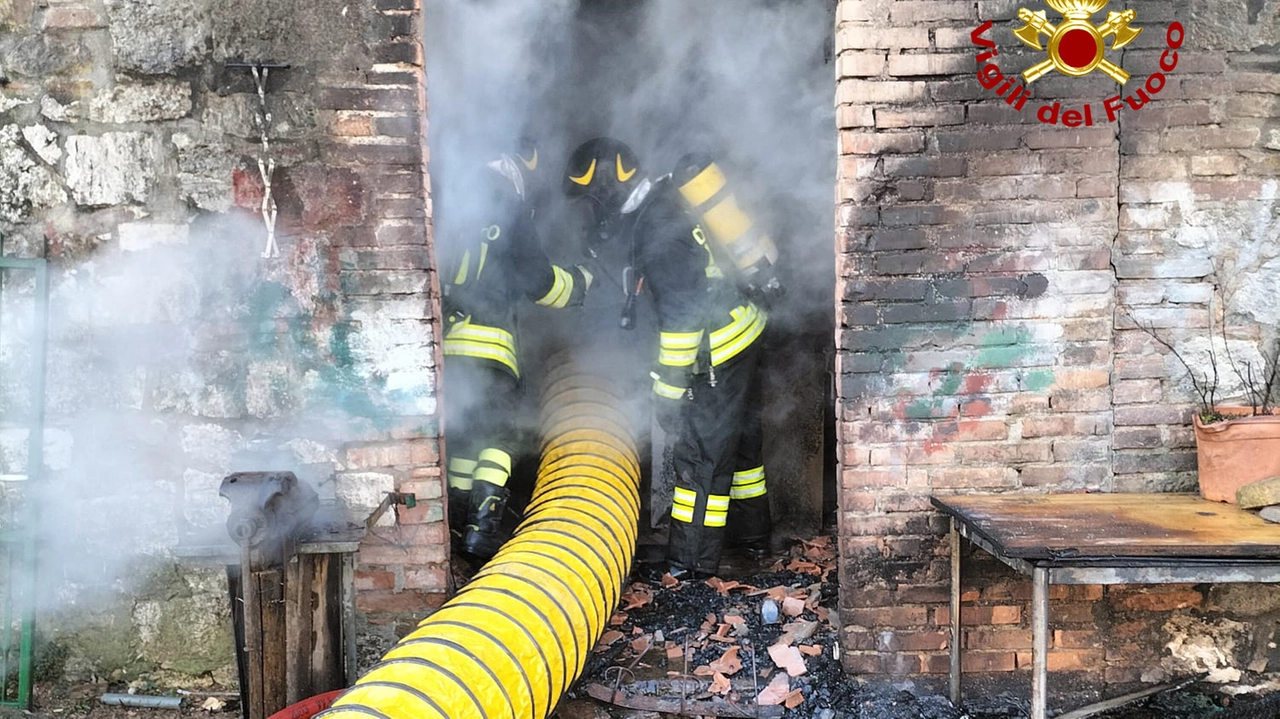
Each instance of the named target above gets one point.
<point>1236,444</point>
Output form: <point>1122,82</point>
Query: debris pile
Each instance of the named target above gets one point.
<point>762,646</point>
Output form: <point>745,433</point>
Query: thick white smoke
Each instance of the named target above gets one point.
<point>749,82</point>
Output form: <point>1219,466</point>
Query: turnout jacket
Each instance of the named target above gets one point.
<point>704,320</point>
<point>502,262</point>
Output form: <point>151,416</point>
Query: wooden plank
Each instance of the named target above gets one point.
<point>251,602</point>
<point>237,633</point>
<point>326,611</point>
<point>1062,526</point>
<point>274,645</point>
<point>298,628</point>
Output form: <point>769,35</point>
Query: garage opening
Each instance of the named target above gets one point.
<point>748,83</point>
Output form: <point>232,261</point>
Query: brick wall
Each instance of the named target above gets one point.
<point>986,264</point>
<point>128,158</point>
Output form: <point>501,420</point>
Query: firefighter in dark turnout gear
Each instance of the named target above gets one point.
<point>502,263</point>
<point>706,391</point>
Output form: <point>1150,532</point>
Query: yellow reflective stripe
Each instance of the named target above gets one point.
<point>728,341</point>
<point>460,473</point>
<point>495,456</point>
<point>491,343</point>
<point>461,277</point>
<point>748,483</point>
<point>682,504</point>
<point>682,358</point>
<point>481,333</point>
<point>587,278</point>
<point>743,315</point>
<point>462,466</point>
<point>717,510</point>
<point>492,475</point>
<point>558,296</point>
<point>662,389</point>
<point>484,254</point>
<point>680,340</point>
<point>678,349</point>
<point>466,350</point>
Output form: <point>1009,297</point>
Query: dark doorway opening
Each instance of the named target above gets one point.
<point>749,82</point>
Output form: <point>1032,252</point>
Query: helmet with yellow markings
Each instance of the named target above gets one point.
<point>604,171</point>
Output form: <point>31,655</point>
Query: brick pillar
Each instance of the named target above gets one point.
<point>975,313</point>
<point>385,268</point>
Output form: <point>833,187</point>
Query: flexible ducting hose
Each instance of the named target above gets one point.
<point>517,636</point>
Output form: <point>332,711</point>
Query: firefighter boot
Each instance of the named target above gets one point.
<point>459,509</point>
<point>483,535</point>
<point>753,528</point>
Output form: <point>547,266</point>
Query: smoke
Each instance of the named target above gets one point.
<point>176,356</point>
<point>747,81</point>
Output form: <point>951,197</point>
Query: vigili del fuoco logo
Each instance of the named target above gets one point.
<point>1075,47</point>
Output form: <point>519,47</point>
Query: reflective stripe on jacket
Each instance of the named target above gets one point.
<point>463,338</point>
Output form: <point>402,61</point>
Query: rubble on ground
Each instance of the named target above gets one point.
<point>763,645</point>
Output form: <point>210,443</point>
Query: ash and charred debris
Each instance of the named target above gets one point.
<point>761,645</point>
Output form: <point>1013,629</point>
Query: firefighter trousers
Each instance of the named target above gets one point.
<point>480,403</point>
<point>718,458</point>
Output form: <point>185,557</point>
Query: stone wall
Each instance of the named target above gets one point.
<point>129,158</point>
<point>991,270</point>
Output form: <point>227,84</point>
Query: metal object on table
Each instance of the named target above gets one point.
<point>1104,539</point>
<point>293,590</point>
<point>269,510</point>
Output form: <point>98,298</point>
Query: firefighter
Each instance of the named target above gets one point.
<point>706,391</point>
<point>501,263</point>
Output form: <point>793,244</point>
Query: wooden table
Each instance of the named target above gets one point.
<point>1104,539</point>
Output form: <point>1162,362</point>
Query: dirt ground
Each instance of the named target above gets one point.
<point>763,645</point>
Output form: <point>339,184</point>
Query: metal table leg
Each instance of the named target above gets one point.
<point>1039,642</point>
<point>955,612</point>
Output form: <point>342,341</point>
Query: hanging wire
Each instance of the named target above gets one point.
<point>266,163</point>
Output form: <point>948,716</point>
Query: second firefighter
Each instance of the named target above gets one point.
<point>706,389</point>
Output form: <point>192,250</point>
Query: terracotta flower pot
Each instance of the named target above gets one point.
<point>1236,452</point>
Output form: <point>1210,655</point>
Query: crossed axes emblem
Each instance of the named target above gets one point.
<point>1077,46</point>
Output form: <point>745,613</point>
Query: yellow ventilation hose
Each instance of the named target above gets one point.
<point>517,636</point>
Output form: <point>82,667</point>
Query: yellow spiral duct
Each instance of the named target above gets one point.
<point>517,636</point>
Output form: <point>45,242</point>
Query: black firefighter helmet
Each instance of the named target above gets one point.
<point>604,171</point>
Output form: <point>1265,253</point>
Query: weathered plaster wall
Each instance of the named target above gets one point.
<point>128,159</point>
<point>987,262</point>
